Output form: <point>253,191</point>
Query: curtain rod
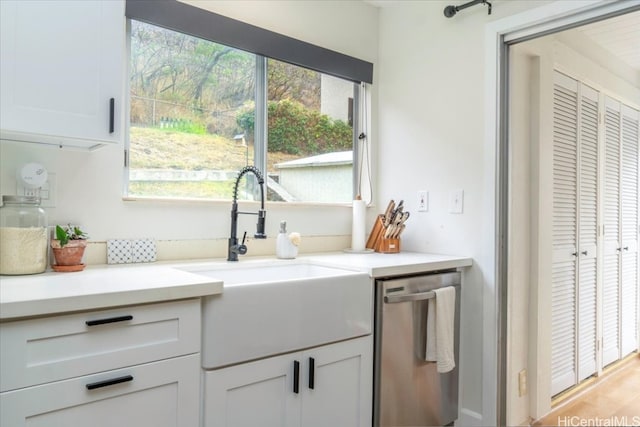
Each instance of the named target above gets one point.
<point>450,11</point>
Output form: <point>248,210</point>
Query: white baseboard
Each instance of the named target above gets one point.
<point>469,418</point>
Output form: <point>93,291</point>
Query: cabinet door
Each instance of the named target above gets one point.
<point>159,394</point>
<point>61,64</point>
<point>41,350</point>
<point>253,394</point>
<point>338,391</point>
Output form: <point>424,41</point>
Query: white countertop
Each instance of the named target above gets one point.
<point>116,285</point>
<point>379,265</point>
<point>99,287</point>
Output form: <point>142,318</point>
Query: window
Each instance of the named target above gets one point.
<point>309,134</point>
<point>193,122</point>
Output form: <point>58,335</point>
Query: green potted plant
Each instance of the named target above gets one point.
<point>68,248</point>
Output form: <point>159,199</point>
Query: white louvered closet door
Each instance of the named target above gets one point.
<point>564,268</point>
<point>575,209</point>
<point>587,230</point>
<point>611,240</point>
<point>629,230</point>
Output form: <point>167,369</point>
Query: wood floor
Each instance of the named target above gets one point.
<point>612,400</point>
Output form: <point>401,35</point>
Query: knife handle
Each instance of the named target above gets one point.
<point>388,213</point>
<point>390,231</point>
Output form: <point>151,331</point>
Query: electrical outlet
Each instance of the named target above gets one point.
<point>423,201</point>
<point>455,201</point>
<point>522,382</point>
<point>47,193</point>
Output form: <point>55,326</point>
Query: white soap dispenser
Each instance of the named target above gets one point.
<point>283,245</point>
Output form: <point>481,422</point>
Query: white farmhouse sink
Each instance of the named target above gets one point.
<point>264,273</point>
<point>268,309</point>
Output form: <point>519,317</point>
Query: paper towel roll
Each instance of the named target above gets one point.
<point>358,225</point>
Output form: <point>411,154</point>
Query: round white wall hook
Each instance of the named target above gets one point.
<point>32,175</point>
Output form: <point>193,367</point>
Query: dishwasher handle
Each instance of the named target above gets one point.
<point>392,299</point>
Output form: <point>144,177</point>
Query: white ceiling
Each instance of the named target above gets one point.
<point>619,35</point>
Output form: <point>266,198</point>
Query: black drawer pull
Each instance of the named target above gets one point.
<point>107,383</point>
<point>108,320</point>
<point>312,372</point>
<point>296,376</point>
<point>112,113</point>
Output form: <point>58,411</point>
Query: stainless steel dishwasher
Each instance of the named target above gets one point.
<point>408,391</point>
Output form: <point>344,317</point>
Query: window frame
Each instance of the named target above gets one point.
<point>260,128</point>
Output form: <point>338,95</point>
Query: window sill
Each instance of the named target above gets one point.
<point>227,203</point>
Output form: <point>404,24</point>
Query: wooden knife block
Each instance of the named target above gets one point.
<point>378,243</point>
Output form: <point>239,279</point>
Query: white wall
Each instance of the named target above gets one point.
<point>431,133</point>
<point>90,184</point>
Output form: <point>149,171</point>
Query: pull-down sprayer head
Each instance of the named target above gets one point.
<point>234,247</point>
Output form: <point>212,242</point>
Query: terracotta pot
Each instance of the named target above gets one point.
<point>70,254</point>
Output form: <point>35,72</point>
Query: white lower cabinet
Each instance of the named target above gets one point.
<point>132,366</point>
<point>329,385</point>
<point>158,394</point>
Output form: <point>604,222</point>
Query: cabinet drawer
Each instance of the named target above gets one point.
<point>38,351</point>
<point>158,394</point>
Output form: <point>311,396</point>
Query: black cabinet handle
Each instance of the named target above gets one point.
<point>296,376</point>
<point>312,372</point>
<point>585,253</point>
<point>626,248</point>
<point>107,383</point>
<point>112,114</point>
<point>108,320</point>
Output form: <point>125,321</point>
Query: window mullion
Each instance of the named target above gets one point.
<point>260,128</point>
<point>356,147</point>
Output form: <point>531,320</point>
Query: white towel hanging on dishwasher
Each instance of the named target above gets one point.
<point>440,329</point>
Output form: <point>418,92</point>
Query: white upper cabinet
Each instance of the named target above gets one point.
<point>61,71</point>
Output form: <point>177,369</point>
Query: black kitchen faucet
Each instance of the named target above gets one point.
<point>234,247</point>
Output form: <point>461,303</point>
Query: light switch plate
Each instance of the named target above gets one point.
<point>522,382</point>
<point>456,199</point>
<point>423,201</point>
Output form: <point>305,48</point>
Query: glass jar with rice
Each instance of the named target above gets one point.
<point>23,236</point>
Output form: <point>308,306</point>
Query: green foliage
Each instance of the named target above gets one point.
<point>294,129</point>
<point>185,126</point>
<point>219,190</point>
<point>288,81</point>
<point>246,119</point>
<point>69,232</point>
